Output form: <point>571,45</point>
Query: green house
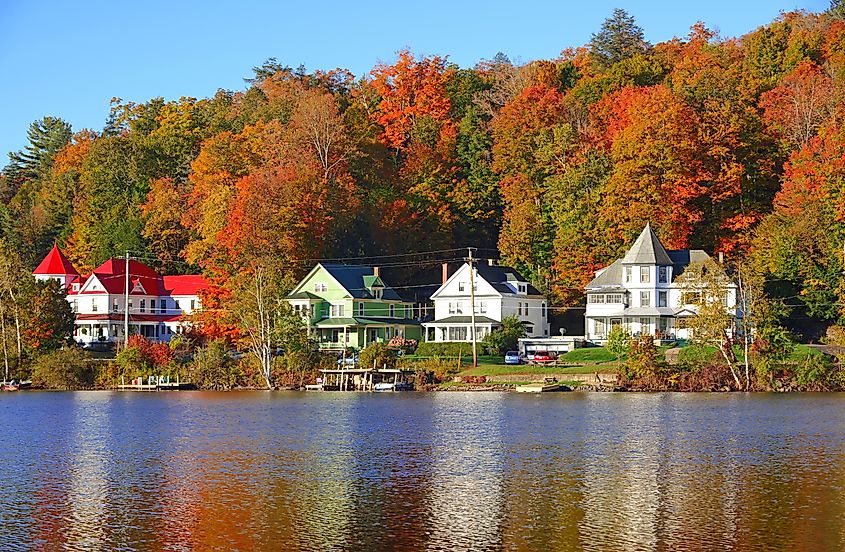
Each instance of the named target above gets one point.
<point>349,307</point>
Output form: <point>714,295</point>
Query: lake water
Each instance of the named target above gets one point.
<point>411,471</point>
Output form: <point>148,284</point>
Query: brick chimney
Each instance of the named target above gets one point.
<point>376,271</point>
<point>445,272</point>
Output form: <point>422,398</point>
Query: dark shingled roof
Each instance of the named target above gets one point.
<point>679,259</point>
<point>496,276</point>
<point>647,250</point>
<point>352,278</point>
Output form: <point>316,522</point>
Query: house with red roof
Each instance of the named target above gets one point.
<point>157,304</point>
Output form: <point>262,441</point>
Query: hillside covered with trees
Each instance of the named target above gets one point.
<point>732,145</point>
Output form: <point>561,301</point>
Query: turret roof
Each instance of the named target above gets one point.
<point>647,250</point>
<point>55,263</point>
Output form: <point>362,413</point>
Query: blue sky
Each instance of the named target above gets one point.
<point>68,59</point>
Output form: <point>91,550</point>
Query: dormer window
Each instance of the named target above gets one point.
<point>523,288</point>
<point>75,287</point>
<point>377,292</point>
<point>663,275</point>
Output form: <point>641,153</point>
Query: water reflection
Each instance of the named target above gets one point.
<point>465,494</point>
<point>441,471</point>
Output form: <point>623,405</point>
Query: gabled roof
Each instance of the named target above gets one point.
<point>373,281</point>
<point>55,263</point>
<point>112,275</point>
<point>357,280</point>
<point>647,250</point>
<point>497,275</point>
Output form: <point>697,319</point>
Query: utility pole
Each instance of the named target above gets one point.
<point>126,303</point>
<point>472,307</point>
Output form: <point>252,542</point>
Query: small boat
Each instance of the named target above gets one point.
<point>394,386</point>
<point>10,385</point>
<point>538,388</point>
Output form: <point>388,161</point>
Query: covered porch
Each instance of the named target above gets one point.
<point>664,327</point>
<point>459,328</point>
<point>340,334</point>
<point>109,328</point>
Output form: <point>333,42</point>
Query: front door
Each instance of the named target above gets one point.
<point>373,335</point>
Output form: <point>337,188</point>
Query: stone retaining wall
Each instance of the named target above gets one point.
<point>585,378</point>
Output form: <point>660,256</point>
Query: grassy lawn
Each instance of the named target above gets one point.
<point>802,351</point>
<point>454,385</point>
<point>588,354</point>
<point>505,370</point>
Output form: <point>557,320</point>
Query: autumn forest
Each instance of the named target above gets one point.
<point>732,145</point>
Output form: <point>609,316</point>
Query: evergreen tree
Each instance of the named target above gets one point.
<point>619,38</point>
<point>46,137</point>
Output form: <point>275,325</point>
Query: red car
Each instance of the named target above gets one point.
<point>543,357</point>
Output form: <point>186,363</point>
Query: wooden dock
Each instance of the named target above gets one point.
<point>153,383</point>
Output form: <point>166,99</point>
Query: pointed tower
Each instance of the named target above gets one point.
<point>56,266</point>
<point>647,250</point>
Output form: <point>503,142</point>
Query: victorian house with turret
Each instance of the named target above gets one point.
<point>645,293</point>
<point>157,305</point>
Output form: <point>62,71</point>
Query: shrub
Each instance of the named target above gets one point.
<point>212,369</point>
<point>402,344</point>
<point>504,338</point>
<point>379,354</point>
<point>448,349</point>
<point>432,370</point>
<point>644,359</point>
<point>296,368</point>
<point>817,373</point>
<point>69,368</point>
<point>140,356</point>
<point>618,341</point>
<point>835,335</point>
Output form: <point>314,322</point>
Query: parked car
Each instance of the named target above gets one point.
<point>513,357</point>
<point>348,361</point>
<point>543,357</point>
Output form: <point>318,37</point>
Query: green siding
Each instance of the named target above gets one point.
<point>329,292</point>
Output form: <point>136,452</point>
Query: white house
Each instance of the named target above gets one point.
<point>642,293</point>
<point>157,304</point>
<point>500,291</point>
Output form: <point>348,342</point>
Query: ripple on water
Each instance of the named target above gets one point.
<point>439,471</point>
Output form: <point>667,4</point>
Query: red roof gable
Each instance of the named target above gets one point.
<point>55,263</point>
<point>184,285</point>
<point>112,274</point>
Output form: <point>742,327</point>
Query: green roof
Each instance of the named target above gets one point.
<point>302,295</point>
<point>346,321</point>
